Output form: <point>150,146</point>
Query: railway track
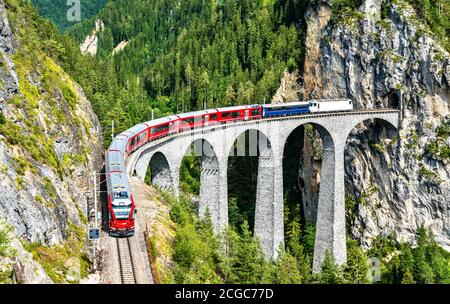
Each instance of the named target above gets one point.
<point>126,265</point>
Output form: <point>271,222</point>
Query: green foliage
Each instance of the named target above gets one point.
<point>238,258</point>
<point>56,10</point>
<point>346,11</point>
<point>424,263</point>
<point>190,175</point>
<point>408,278</point>
<point>429,175</point>
<point>436,14</point>
<point>5,250</point>
<point>2,119</point>
<point>58,260</point>
<point>357,264</point>
<point>438,148</point>
<point>19,183</point>
<point>48,185</point>
<point>242,180</point>
<point>247,259</point>
<point>195,247</point>
<point>21,165</point>
<point>284,270</point>
<point>378,147</point>
<point>6,275</point>
<point>181,55</point>
<point>331,273</point>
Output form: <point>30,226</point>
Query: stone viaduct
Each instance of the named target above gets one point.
<point>216,143</point>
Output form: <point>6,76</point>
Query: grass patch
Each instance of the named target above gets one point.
<point>49,188</point>
<point>429,175</point>
<point>19,183</point>
<point>378,147</point>
<point>65,263</point>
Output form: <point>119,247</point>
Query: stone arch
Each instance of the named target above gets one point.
<point>368,156</point>
<point>209,202</point>
<point>160,172</point>
<point>327,209</point>
<point>254,143</point>
<point>299,149</point>
<point>389,125</point>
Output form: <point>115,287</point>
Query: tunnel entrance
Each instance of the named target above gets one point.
<point>394,99</point>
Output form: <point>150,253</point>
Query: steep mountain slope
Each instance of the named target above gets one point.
<point>49,141</point>
<point>57,10</point>
<point>180,55</point>
<point>382,54</point>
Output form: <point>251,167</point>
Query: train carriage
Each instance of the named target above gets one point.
<point>138,138</point>
<point>210,117</point>
<point>119,144</point>
<point>121,205</point>
<point>162,127</point>
<point>120,201</point>
<point>229,114</point>
<point>330,106</point>
<point>114,162</point>
<point>285,109</point>
<point>191,120</point>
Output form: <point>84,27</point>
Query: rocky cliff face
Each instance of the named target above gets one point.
<point>49,141</point>
<point>393,185</point>
<point>90,44</point>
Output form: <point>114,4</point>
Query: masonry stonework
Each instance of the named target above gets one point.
<point>219,141</point>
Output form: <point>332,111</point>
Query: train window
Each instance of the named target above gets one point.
<point>235,114</point>
<point>122,212</point>
<point>121,194</point>
<point>226,114</point>
<point>141,136</point>
<point>133,141</point>
<point>213,116</point>
<point>160,129</point>
<point>255,112</point>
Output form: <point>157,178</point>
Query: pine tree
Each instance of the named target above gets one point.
<point>408,278</point>
<point>248,260</point>
<point>330,273</point>
<point>357,264</point>
<point>286,270</point>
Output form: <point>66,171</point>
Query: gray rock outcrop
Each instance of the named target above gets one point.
<point>42,188</point>
<point>386,62</point>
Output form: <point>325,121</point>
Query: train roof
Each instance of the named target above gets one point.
<point>209,111</point>
<point>125,134</point>
<point>138,128</point>
<point>118,144</point>
<point>234,108</point>
<point>119,181</point>
<point>115,158</point>
<point>190,114</point>
<point>330,100</point>
<point>162,120</point>
<point>277,105</point>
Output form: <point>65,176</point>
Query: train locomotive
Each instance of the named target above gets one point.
<point>121,205</point>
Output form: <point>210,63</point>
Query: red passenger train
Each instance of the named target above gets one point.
<point>161,127</point>
<point>121,205</point>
